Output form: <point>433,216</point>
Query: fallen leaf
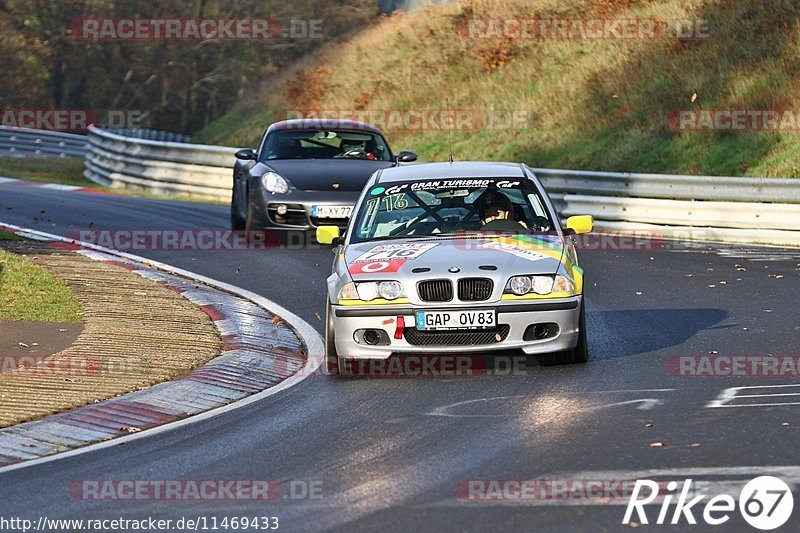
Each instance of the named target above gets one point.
<point>638,293</point>
<point>711,286</point>
<point>695,445</point>
<point>238,269</point>
<point>276,320</point>
<point>61,329</point>
<point>317,315</point>
<point>713,352</point>
<point>723,282</point>
<point>634,524</point>
<point>785,424</point>
<point>131,429</point>
<point>648,425</point>
<point>23,345</point>
<point>657,444</point>
<point>767,310</point>
<point>34,344</point>
<point>694,97</point>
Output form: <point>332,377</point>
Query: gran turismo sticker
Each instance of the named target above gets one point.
<point>448,184</point>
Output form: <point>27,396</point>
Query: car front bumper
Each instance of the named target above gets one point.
<point>517,316</point>
<point>264,207</point>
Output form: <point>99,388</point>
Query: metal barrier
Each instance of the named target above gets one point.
<point>165,168</point>
<point>728,209</point>
<point>22,142</point>
<point>754,210</point>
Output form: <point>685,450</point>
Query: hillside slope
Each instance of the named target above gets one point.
<point>604,104</point>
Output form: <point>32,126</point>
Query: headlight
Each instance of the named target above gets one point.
<point>370,290</point>
<point>367,291</point>
<point>563,284</point>
<point>390,290</point>
<point>542,285</point>
<point>520,285</point>
<point>274,183</point>
<point>348,292</point>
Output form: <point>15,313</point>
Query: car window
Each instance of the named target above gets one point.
<point>436,207</point>
<point>325,144</point>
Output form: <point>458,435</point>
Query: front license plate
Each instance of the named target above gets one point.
<point>481,319</point>
<point>331,211</point>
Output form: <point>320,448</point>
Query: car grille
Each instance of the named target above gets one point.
<point>295,215</point>
<point>435,290</point>
<point>475,289</point>
<point>456,338</point>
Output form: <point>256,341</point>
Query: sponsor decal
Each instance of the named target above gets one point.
<point>519,251</point>
<point>377,267</point>
<point>386,258</point>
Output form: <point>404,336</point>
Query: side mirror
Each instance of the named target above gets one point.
<point>248,154</point>
<point>406,157</point>
<point>580,224</point>
<point>328,234</point>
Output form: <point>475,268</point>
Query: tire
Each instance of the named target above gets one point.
<point>330,366</point>
<point>579,354</point>
<point>238,223</point>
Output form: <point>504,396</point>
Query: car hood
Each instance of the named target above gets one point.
<point>472,256</point>
<point>322,174</point>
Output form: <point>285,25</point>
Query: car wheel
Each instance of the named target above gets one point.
<point>238,222</point>
<point>330,365</point>
<point>579,354</point>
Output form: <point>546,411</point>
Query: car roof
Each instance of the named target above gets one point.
<point>302,124</point>
<point>460,169</point>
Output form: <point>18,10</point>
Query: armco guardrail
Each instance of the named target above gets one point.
<point>756,210</point>
<point>22,142</point>
<point>167,168</point>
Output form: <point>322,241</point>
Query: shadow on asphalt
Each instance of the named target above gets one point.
<point>622,333</point>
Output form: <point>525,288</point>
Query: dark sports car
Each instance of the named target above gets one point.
<point>307,173</point>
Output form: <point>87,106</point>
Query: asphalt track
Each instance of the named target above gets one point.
<point>390,453</point>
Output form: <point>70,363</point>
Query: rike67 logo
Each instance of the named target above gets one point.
<point>765,503</point>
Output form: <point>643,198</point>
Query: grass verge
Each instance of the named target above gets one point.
<point>30,292</point>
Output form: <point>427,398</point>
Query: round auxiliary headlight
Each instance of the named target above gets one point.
<point>367,291</point>
<point>542,284</point>
<point>390,290</point>
<point>521,285</point>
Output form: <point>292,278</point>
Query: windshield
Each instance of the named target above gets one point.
<point>325,144</point>
<point>437,207</point>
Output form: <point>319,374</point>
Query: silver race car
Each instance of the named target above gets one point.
<point>455,258</point>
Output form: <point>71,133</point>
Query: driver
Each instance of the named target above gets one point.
<point>355,148</point>
<point>498,216</point>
